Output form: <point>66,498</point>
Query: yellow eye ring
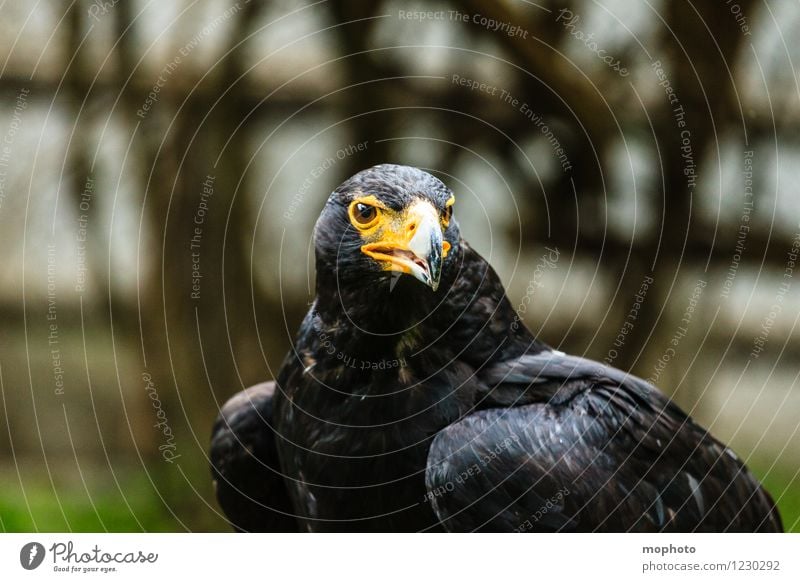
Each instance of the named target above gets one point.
<point>363,215</point>
<point>448,211</point>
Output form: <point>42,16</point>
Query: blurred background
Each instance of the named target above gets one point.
<point>630,168</point>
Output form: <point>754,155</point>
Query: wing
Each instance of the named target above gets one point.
<point>244,464</point>
<point>567,444</point>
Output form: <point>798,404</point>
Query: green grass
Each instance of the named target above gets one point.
<point>142,509</point>
<point>784,486</point>
<point>75,511</point>
<point>135,505</point>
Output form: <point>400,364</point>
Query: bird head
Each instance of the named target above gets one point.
<point>388,221</point>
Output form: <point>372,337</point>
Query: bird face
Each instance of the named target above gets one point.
<point>409,240</point>
<point>394,219</point>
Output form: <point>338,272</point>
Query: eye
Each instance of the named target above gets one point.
<point>363,215</point>
<point>448,211</point>
<point>447,215</point>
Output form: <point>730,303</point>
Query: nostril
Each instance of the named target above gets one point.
<point>412,227</point>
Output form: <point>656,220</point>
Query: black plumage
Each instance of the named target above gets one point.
<point>244,464</point>
<point>586,447</point>
<point>422,403</point>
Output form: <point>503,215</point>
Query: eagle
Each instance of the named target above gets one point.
<point>415,399</point>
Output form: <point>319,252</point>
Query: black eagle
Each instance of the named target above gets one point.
<point>414,399</point>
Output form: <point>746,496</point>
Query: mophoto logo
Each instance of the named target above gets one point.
<point>31,555</point>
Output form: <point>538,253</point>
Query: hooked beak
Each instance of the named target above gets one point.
<point>414,244</point>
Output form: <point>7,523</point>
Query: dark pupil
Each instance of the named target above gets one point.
<point>364,213</point>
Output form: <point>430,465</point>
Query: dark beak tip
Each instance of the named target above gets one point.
<point>435,262</point>
<point>434,276</point>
